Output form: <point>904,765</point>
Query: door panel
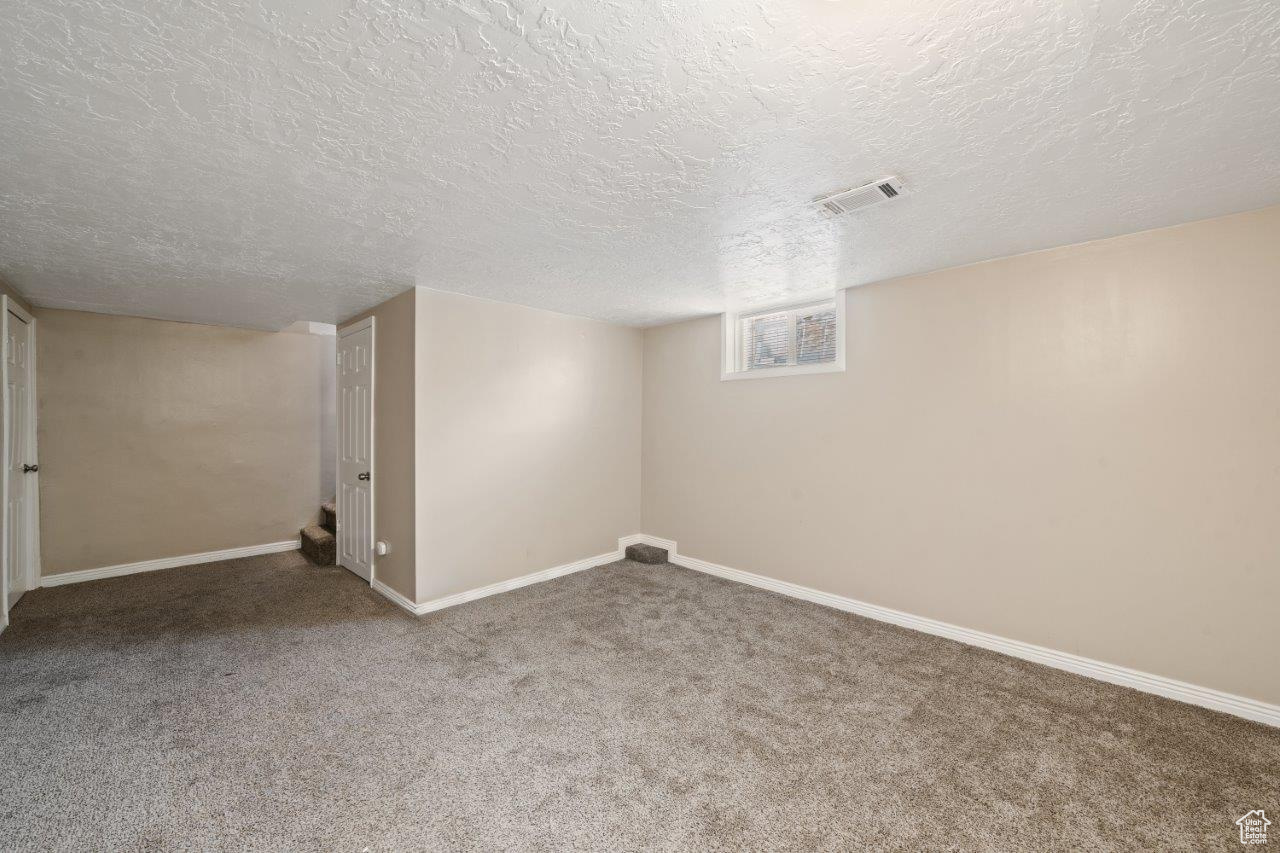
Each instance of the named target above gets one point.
<point>355,451</point>
<point>18,354</point>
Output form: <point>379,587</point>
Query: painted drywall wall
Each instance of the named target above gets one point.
<point>162,439</point>
<point>1078,448</point>
<point>393,415</point>
<point>327,376</point>
<point>528,440</point>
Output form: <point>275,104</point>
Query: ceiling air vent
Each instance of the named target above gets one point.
<point>847,201</point>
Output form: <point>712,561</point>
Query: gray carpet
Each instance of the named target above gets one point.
<point>266,704</point>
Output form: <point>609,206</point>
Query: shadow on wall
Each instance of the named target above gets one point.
<point>328,379</point>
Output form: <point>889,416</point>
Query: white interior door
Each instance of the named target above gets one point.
<point>355,448</point>
<point>19,440</point>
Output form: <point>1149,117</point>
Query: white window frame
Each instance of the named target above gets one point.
<point>731,366</point>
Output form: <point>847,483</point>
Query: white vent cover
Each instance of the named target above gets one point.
<point>847,201</point>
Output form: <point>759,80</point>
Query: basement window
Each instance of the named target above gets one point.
<point>784,340</point>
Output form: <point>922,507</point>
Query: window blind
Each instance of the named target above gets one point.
<point>795,336</point>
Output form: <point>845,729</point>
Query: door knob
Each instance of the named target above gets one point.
<point>30,469</point>
<point>363,476</point>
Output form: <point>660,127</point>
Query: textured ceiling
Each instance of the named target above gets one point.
<point>634,160</point>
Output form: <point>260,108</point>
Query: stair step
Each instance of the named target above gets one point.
<point>319,545</point>
<point>650,554</point>
<point>329,516</point>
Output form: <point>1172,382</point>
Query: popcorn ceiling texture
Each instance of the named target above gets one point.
<point>259,163</point>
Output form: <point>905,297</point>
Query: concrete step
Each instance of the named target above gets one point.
<point>650,554</point>
<point>319,545</point>
<point>329,516</point>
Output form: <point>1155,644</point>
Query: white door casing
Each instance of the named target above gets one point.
<point>355,448</point>
<point>19,548</point>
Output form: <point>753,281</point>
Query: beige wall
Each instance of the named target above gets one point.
<point>528,440</point>
<point>327,376</point>
<point>1079,448</point>
<point>162,439</point>
<point>393,417</point>
<point>507,440</point>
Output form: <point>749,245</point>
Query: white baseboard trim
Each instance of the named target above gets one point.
<point>495,588</point>
<point>1205,697</point>
<point>395,597</point>
<point>166,563</point>
<point>645,539</point>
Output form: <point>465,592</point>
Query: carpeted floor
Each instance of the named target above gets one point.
<point>264,704</point>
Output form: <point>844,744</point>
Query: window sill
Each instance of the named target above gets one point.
<point>770,372</point>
